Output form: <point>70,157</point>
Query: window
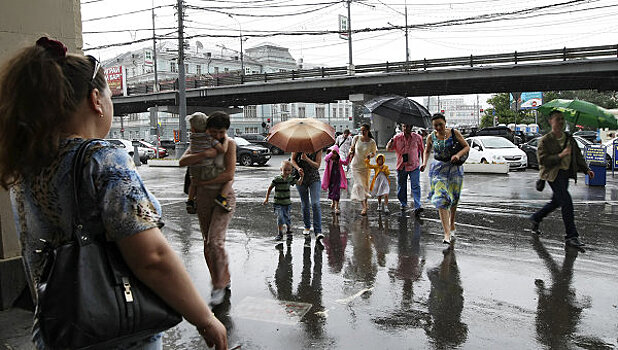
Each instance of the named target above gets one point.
<point>216,70</point>
<point>247,70</point>
<point>319,112</point>
<point>186,68</point>
<point>226,70</point>
<point>284,107</point>
<point>250,112</point>
<point>251,130</point>
<point>301,112</point>
<point>198,69</point>
<point>340,112</point>
<point>173,67</point>
<point>347,112</point>
<point>148,55</point>
<point>334,112</point>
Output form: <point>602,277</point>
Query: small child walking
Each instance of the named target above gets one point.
<point>380,186</point>
<point>334,179</point>
<point>281,183</point>
<point>207,169</point>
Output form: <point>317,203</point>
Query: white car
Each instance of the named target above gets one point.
<point>494,149</point>
<point>144,153</point>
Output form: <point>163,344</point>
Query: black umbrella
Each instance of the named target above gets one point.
<point>401,110</point>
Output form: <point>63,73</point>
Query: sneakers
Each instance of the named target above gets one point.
<point>379,207</point>
<point>217,296</point>
<point>386,211</point>
<point>191,206</point>
<point>319,237</point>
<point>403,207</point>
<point>574,242</point>
<point>418,211</point>
<point>279,236</point>
<point>535,226</point>
<point>306,232</point>
<point>223,203</point>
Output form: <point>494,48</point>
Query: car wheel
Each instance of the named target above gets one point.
<point>245,160</point>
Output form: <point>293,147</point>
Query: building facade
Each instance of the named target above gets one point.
<point>138,67</point>
<point>457,112</point>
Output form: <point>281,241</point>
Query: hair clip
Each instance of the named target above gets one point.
<point>54,47</point>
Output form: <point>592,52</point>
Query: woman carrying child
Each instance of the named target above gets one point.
<point>380,186</point>
<point>334,179</point>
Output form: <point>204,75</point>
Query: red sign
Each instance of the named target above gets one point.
<point>113,75</point>
<point>176,136</point>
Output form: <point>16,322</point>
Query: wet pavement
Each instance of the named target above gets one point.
<point>386,281</point>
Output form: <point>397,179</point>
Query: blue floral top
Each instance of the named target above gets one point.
<point>441,147</point>
<point>113,200</point>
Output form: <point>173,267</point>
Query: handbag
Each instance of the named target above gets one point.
<point>88,298</point>
<point>452,150</point>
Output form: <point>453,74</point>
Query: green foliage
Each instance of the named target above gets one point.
<point>502,107</point>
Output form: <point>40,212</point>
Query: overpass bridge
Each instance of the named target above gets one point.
<point>593,67</point>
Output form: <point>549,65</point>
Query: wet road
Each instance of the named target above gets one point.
<point>386,282</point>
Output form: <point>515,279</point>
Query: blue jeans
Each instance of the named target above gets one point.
<point>415,185</point>
<point>307,192</point>
<point>560,198</point>
<point>283,215</point>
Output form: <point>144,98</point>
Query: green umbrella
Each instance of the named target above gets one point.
<point>581,112</point>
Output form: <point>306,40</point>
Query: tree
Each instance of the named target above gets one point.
<point>501,108</point>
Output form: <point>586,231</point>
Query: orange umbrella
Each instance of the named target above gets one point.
<point>302,135</point>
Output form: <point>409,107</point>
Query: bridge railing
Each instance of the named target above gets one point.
<point>564,54</point>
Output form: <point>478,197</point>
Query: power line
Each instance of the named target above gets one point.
<point>256,15</point>
<point>264,6</point>
<point>126,13</point>
<point>127,30</point>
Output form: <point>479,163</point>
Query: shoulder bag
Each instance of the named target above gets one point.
<point>88,298</point>
<point>452,150</point>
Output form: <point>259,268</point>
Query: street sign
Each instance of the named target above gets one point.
<point>615,162</point>
<point>343,27</point>
<point>595,154</point>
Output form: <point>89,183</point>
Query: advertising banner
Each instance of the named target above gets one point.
<point>595,155</point>
<point>615,154</point>
<point>528,100</point>
<point>343,27</point>
<point>114,77</point>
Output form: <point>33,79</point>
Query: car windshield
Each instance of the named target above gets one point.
<point>241,142</point>
<point>498,142</point>
<point>146,144</point>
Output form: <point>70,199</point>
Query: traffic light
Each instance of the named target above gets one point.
<point>442,111</point>
<point>350,118</point>
<point>481,110</point>
<point>268,120</point>
<point>263,124</point>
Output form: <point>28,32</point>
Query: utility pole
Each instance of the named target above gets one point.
<point>154,52</point>
<point>242,64</point>
<point>350,64</point>
<point>182,98</point>
<point>407,48</point>
<point>478,111</point>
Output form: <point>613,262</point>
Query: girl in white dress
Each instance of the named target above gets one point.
<point>380,186</point>
<point>363,147</point>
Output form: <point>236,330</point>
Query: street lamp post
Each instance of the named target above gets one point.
<point>242,63</point>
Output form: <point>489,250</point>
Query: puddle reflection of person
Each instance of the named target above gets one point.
<point>381,241</point>
<point>558,311</point>
<point>335,244</point>
<point>361,266</point>
<point>446,303</point>
<point>410,264</point>
<point>309,288</point>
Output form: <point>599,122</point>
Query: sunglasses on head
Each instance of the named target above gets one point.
<point>96,64</point>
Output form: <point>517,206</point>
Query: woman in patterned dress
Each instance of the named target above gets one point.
<point>446,178</point>
<point>51,101</point>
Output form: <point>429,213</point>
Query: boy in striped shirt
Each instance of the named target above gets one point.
<point>281,183</point>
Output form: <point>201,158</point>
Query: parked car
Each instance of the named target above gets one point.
<point>490,149</point>
<point>259,139</point>
<point>501,131</point>
<point>159,152</point>
<point>144,153</point>
<point>248,153</point>
<point>587,134</point>
<point>531,147</point>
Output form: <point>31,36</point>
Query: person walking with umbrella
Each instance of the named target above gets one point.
<point>409,149</point>
<point>559,159</point>
<point>363,147</point>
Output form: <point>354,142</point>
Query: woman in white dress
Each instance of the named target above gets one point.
<point>363,147</point>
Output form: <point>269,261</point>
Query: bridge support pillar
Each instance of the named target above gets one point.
<point>381,128</point>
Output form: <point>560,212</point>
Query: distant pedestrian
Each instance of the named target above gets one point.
<point>207,169</point>
<point>409,149</point>
<point>282,202</point>
<point>446,178</point>
<point>214,219</point>
<point>334,179</point>
<point>363,147</point>
<point>380,185</point>
<point>344,142</point>
<point>559,159</point>
<point>307,166</point>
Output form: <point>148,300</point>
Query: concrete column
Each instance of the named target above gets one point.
<point>381,128</point>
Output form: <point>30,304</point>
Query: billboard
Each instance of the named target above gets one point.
<point>527,100</point>
<point>115,80</point>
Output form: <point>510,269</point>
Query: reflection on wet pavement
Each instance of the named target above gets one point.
<point>385,282</point>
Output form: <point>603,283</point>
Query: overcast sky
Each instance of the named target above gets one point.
<point>438,28</point>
